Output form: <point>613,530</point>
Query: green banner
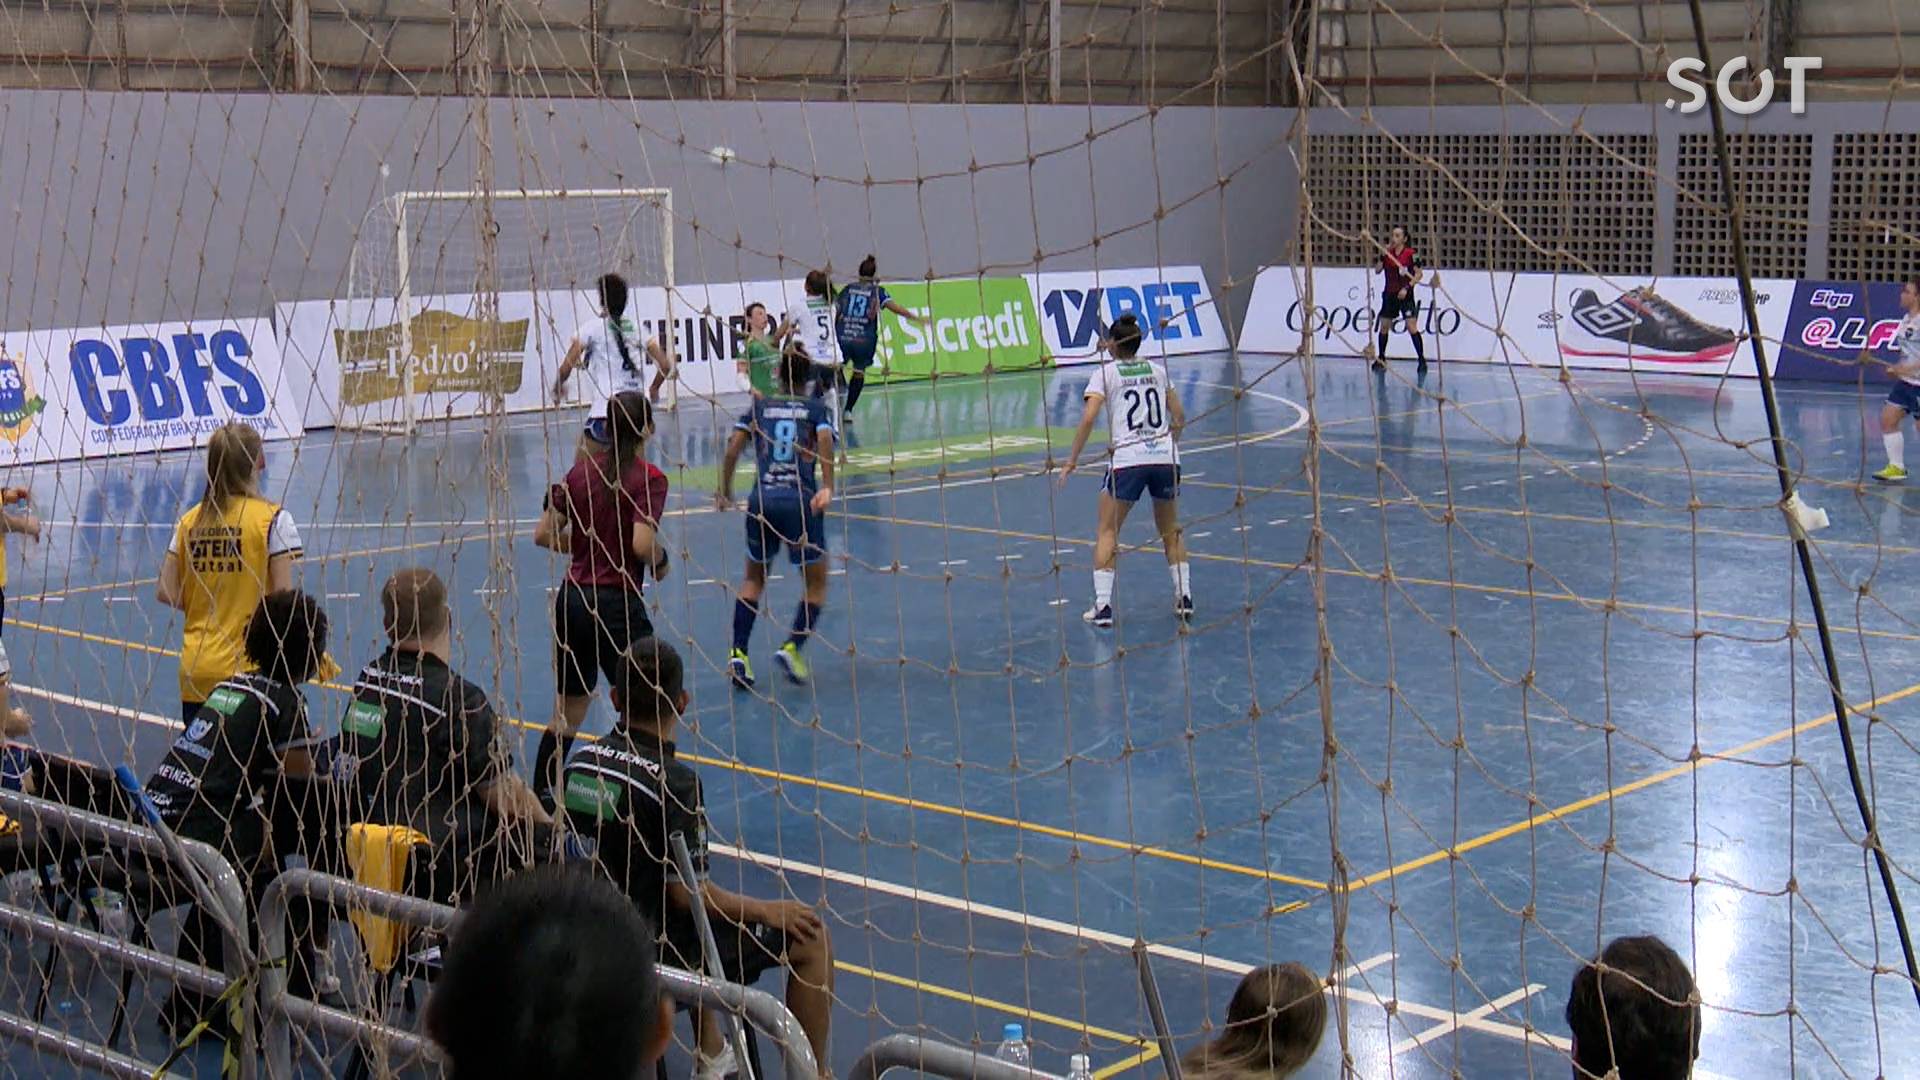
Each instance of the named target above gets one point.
<point>974,325</point>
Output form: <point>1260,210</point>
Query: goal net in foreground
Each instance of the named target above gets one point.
<point>1515,633</point>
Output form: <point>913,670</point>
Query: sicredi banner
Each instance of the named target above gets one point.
<point>1459,310</point>
<point>130,389</point>
<point>1173,304</point>
<point>1837,330</point>
<point>973,325</point>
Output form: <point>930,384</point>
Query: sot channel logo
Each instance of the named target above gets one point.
<point>171,383</point>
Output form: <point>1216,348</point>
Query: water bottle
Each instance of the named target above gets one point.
<point>21,889</point>
<point>1013,1047</point>
<point>1079,1067</point>
<point>115,922</point>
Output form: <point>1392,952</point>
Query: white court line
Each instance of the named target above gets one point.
<point>1201,535</point>
<point>1278,521</point>
<point>1061,602</point>
<point>1009,558</point>
<point>1450,1026</point>
<point>123,599</point>
<point>953,562</point>
<point>343,596</point>
<point>702,581</point>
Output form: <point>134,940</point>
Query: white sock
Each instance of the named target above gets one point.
<point>1182,579</point>
<point>1102,588</point>
<point>1896,447</point>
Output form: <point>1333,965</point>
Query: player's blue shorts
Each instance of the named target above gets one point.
<point>1907,396</point>
<point>858,353</point>
<point>1128,484</point>
<point>788,521</point>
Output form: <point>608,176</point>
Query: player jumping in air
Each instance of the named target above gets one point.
<point>1402,268</point>
<point>792,435</point>
<point>603,348</point>
<point>1904,399</point>
<point>857,324</point>
<point>1144,419</point>
<point>811,323</point>
<point>759,352</point>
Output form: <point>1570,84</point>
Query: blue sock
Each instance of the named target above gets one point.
<point>743,616</point>
<point>803,619</point>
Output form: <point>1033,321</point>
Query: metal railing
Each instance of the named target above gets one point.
<point>57,818</point>
<point>936,1058</point>
<point>281,1010</point>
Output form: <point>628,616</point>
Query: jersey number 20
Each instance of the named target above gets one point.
<point>1150,399</point>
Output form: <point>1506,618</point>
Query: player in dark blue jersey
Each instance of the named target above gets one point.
<point>856,322</point>
<point>792,436</point>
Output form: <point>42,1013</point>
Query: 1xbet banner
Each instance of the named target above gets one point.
<point>1173,305</point>
<point>1837,330</point>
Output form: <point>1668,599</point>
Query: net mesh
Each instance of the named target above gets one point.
<point>1497,658</point>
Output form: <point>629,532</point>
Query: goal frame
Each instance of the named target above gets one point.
<point>662,203</point>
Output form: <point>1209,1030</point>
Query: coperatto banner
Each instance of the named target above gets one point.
<point>974,325</point>
<point>1549,320</point>
<point>1174,305</point>
<point>1459,310</point>
<point>1840,331</point>
<point>130,389</point>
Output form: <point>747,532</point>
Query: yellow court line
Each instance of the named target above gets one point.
<point>1590,602</point>
<point>999,1006</point>
<point>960,812</point>
<point>1151,1053</point>
<point>1723,757</point>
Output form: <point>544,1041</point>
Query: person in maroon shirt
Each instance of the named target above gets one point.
<point>606,516</point>
<point>1401,267</point>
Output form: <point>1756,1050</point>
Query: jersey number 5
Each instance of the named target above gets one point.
<point>1150,399</point>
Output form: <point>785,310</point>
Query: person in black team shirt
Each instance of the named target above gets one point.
<point>628,793</point>
<point>217,782</point>
<point>551,973</point>
<point>1401,269</point>
<point>422,747</point>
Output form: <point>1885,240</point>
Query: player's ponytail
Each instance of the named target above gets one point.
<point>233,460</point>
<point>1126,336</point>
<point>613,296</point>
<point>819,284</point>
<point>869,268</point>
<point>796,367</point>
<point>629,422</point>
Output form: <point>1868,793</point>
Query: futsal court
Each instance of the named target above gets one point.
<point>1569,664</point>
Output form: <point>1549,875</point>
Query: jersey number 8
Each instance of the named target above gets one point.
<point>783,436</point>
<point>1150,398</point>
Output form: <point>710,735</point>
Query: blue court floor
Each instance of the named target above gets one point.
<point>1570,691</point>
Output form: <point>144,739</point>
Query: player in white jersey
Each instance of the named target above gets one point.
<point>1144,419</point>
<point>811,323</point>
<point>1904,399</point>
<point>603,348</point>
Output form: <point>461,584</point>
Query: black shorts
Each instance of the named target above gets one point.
<point>746,951</point>
<point>592,627</point>
<point>1907,396</point>
<point>1395,307</point>
<point>859,354</point>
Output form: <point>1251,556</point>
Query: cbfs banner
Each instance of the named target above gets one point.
<point>973,325</point>
<point>1173,304</point>
<point>1840,331</point>
<point>131,389</point>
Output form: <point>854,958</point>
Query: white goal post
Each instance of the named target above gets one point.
<point>545,248</point>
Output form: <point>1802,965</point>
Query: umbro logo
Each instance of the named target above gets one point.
<point>1606,319</point>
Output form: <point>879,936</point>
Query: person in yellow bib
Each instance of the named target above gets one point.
<point>228,551</point>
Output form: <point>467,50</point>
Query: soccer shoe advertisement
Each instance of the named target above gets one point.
<point>132,389</point>
<point>1540,320</point>
<point>972,325</point>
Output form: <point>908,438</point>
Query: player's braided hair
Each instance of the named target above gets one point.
<point>613,296</point>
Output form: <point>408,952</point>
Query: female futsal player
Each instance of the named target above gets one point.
<point>792,434</point>
<point>228,551</point>
<point>1144,419</point>
<point>758,352</point>
<point>1401,268</point>
<point>857,325</point>
<point>811,323</point>
<point>603,348</point>
<point>606,516</point>
<point>1904,399</point>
